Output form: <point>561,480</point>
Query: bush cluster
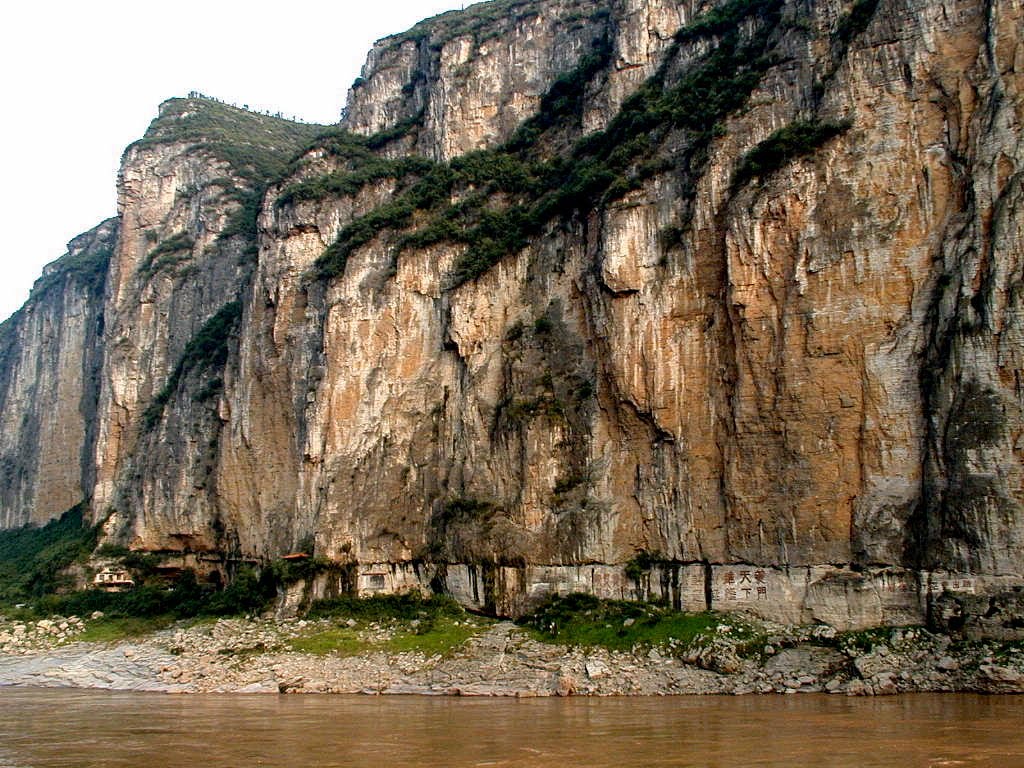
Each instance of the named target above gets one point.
<point>88,268</point>
<point>585,620</point>
<point>170,251</point>
<point>31,559</point>
<point>249,592</point>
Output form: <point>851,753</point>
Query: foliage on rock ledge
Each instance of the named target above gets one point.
<point>587,621</point>
<point>784,145</point>
<point>257,147</point>
<point>249,592</point>
<point>88,267</point>
<point>170,251</point>
<point>493,201</point>
<point>207,350</point>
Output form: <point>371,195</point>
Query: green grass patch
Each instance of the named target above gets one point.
<point>389,623</point>
<point>404,607</point>
<point>337,641</point>
<point>113,629</point>
<point>431,637</point>
<point>586,621</point>
<point>436,636</point>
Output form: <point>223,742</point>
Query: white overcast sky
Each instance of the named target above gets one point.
<point>82,80</point>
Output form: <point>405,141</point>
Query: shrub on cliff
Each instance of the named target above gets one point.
<point>208,349</point>
<point>543,173</point>
<point>249,592</point>
<point>783,146</point>
<point>32,559</point>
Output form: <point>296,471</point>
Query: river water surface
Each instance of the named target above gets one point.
<point>42,728</point>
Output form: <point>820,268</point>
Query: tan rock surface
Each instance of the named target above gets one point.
<point>814,374</point>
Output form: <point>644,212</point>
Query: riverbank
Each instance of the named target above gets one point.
<point>492,658</point>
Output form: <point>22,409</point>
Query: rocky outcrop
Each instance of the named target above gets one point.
<point>710,304</point>
<point>468,80</point>
<point>187,194</point>
<point>713,368</point>
<point>50,354</point>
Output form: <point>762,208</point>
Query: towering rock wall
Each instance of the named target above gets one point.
<point>754,354</point>
<point>188,193</point>
<point>712,304</point>
<point>49,375</point>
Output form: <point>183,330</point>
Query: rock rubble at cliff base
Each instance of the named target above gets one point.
<point>253,656</point>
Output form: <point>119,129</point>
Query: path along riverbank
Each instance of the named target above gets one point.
<point>498,659</point>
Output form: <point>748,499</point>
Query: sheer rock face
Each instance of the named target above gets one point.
<point>807,381</point>
<point>476,76</point>
<point>150,476</point>
<point>184,258</point>
<point>779,388</point>
<point>49,360</point>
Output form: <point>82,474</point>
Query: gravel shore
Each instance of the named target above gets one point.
<point>253,656</point>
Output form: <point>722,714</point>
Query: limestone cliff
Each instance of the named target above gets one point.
<point>717,304</point>
<point>49,377</point>
<point>187,195</point>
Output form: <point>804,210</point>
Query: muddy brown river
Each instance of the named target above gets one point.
<point>59,727</point>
